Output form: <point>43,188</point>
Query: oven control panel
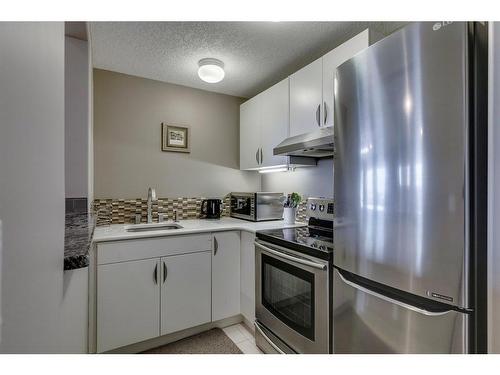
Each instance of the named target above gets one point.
<point>320,208</point>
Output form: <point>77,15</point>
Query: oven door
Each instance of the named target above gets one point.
<point>292,297</point>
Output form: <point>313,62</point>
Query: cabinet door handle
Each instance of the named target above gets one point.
<point>155,274</point>
<point>273,345</point>
<point>318,114</point>
<point>261,157</point>
<point>216,245</point>
<point>257,156</point>
<point>164,272</point>
<point>324,106</point>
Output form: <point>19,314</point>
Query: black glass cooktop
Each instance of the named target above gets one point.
<point>312,241</point>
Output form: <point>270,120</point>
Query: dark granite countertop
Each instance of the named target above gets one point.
<point>79,229</point>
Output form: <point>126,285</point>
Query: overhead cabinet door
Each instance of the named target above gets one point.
<point>274,125</point>
<point>250,119</point>
<point>306,98</point>
<point>128,303</point>
<point>331,61</point>
<point>185,291</point>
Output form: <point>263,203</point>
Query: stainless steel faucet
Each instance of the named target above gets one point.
<point>151,198</point>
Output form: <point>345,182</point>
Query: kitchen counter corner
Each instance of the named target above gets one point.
<point>116,232</point>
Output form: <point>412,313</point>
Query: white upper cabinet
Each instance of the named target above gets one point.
<point>331,61</point>
<point>250,119</point>
<point>263,125</point>
<point>300,104</point>
<point>274,123</point>
<point>306,98</point>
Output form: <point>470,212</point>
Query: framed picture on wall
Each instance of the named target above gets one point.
<point>175,138</point>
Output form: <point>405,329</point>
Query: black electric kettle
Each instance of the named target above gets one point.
<point>211,208</point>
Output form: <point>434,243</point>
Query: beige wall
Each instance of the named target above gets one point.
<point>128,112</point>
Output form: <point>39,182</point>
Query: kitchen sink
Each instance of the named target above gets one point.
<point>152,227</point>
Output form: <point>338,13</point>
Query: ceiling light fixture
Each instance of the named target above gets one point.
<point>211,70</point>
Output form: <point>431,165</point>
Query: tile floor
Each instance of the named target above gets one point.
<point>243,338</point>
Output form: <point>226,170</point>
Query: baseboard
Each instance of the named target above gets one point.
<point>249,325</point>
<point>172,337</point>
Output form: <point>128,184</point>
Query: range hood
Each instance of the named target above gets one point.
<point>316,144</point>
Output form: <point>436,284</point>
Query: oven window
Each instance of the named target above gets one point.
<point>288,293</point>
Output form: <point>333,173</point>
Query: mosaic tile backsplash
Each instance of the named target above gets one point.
<point>301,211</point>
<point>123,211</point>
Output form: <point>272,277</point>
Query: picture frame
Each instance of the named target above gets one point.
<point>175,138</point>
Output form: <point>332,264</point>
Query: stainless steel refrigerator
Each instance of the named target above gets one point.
<point>410,193</point>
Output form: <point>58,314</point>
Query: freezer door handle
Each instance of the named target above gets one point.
<point>392,300</point>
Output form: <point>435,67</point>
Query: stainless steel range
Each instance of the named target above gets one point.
<point>293,284</point>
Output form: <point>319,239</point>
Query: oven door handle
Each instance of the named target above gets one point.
<point>269,341</point>
<point>291,258</point>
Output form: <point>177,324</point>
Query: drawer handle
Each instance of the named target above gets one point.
<point>269,341</point>
<point>155,274</point>
<point>164,272</point>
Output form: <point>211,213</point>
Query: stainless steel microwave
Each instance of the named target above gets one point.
<point>259,206</point>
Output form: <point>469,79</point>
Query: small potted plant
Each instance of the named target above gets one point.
<point>290,205</point>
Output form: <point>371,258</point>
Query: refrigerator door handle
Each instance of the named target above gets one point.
<point>392,300</point>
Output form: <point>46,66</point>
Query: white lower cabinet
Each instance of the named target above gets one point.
<point>185,282</point>
<point>247,277</point>
<point>140,299</point>
<point>128,303</point>
<point>226,275</point>
<point>185,291</point>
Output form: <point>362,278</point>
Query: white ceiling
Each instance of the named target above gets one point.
<point>256,54</point>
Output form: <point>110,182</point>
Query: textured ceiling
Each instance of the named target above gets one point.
<point>256,54</point>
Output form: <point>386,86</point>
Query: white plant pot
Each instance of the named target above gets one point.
<point>289,215</point>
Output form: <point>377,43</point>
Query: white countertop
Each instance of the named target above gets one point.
<point>117,232</point>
